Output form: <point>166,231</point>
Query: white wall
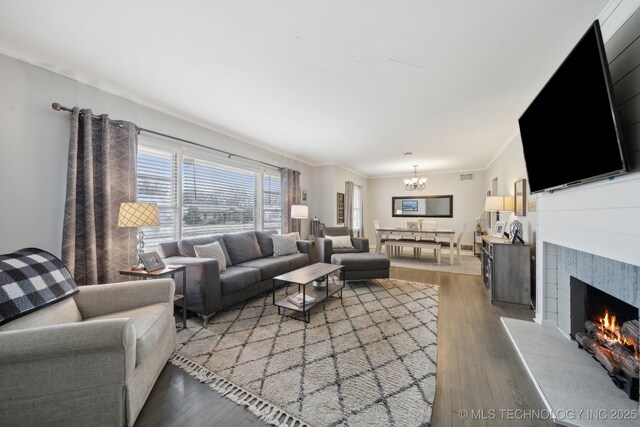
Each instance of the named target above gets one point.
<point>468,201</point>
<point>328,180</point>
<point>509,167</point>
<point>34,145</point>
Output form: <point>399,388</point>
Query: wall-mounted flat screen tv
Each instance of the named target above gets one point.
<point>571,132</point>
<point>409,205</point>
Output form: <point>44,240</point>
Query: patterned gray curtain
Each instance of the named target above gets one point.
<point>348,205</point>
<point>291,195</point>
<point>101,174</point>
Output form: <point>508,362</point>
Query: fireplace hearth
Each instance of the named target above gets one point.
<point>607,328</point>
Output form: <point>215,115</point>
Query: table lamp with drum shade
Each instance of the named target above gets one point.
<point>497,204</point>
<point>137,215</point>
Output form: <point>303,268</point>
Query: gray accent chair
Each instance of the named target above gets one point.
<point>91,359</point>
<point>324,247</point>
<point>251,267</point>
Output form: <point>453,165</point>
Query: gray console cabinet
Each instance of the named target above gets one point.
<point>506,270</point>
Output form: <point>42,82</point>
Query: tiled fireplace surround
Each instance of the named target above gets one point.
<point>548,351</point>
<point>613,277</point>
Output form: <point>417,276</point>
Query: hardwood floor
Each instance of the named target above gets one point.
<point>478,369</point>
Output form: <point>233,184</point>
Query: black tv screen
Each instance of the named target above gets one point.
<point>570,132</point>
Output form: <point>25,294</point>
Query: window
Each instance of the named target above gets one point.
<point>216,198</point>
<point>199,195</point>
<point>356,222</point>
<point>271,202</point>
<point>157,183</point>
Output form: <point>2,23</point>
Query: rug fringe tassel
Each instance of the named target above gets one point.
<point>262,409</point>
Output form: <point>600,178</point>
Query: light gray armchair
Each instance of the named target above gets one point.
<point>88,360</point>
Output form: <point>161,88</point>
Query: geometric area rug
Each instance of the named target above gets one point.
<point>366,360</point>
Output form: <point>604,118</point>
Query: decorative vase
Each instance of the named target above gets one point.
<point>319,284</point>
<point>515,231</point>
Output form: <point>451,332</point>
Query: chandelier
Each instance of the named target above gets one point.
<point>415,183</point>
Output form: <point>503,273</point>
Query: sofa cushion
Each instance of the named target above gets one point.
<point>340,241</point>
<point>150,324</point>
<point>212,250</point>
<point>186,246</point>
<point>285,244</point>
<point>269,267</point>
<point>345,251</point>
<point>235,279</point>
<point>65,311</point>
<point>242,247</point>
<point>265,242</point>
<point>335,231</point>
<point>296,261</point>
<point>167,249</point>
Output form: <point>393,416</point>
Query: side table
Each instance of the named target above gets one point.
<point>169,270</point>
<point>477,243</point>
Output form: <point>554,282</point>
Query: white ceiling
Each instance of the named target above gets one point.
<point>351,82</point>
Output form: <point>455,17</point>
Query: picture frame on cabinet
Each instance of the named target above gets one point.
<point>498,229</point>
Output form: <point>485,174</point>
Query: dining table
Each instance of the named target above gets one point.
<point>404,233</point>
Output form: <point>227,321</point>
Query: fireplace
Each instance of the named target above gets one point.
<point>607,328</point>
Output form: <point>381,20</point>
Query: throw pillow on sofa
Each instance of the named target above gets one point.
<point>285,244</point>
<point>212,250</point>
<point>242,247</point>
<point>341,242</point>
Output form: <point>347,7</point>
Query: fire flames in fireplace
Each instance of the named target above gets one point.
<point>615,347</point>
<point>612,334</point>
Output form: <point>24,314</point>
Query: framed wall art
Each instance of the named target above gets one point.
<point>340,208</point>
<point>520,197</point>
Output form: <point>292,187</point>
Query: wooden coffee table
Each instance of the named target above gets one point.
<point>303,278</point>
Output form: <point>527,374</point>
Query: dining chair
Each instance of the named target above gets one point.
<point>380,238</point>
<point>429,225</point>
<point>464,226</point>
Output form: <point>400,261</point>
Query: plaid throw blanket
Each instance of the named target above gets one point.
<point>31,279</point>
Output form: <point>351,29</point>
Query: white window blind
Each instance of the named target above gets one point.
<point>271,202</point>
<point>157,183</point>
<point>217,198</point>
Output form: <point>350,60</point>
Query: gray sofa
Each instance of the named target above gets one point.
<point>324,247</point>
<point>251,266</point>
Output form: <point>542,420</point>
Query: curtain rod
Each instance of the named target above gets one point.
<point>59,107</point>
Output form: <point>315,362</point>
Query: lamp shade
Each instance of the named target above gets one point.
<point>509,204</point>
<point>498,203</point>
<point>299,211</point>
<point>138,215</point>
